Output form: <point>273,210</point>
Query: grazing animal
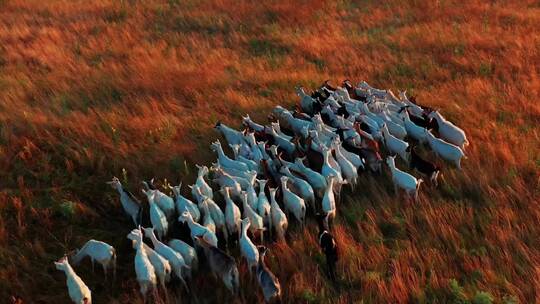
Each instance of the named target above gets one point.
<point>233,137</point>
<point>132,206</point>
<point>373,159</point>
<point>175,259</point>
<point>413,130</point>
<point>293,203</point>
<point>222,264</point>
<point>162,267</point>
<point>252,194</point>
<point>449,132</point>
<point>233,216</point>
<point>184,204</point>
<point>99,251</point>
<point>252,165</point>
<point>315,179</point>
<point>307,103</point>
<point>394,144</point>
<point>78,291</point>
<point>164,202</point>
<point>300,187</point>
<point>157,217</point>
<point>257,223</point>
<point>282,142</point>
<point>247,248</point>
<point>349,171</point>
<point>350,156</point>
<point>396,127</point>
<point>246,120</point>
<point>403,179</point>
<point>445,150</point>
<point>225,180</point>
<point>412,106</point>
<point>201,183</point>
<point>145,271</point>
<point>188,253</point>
<point>267,280</point>
<point>208,222</point>
<point>198,230</point>
<point>327,168</point>
<point>329,201</point>
<point>225,161</point>
<point>263,205</point>
<point>328,246</point>
<point>423,166</point>
<point>421,121</point>
<point>278,218</point>
<point>216,213</point>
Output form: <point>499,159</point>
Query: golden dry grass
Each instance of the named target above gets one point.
<point>90,87</point>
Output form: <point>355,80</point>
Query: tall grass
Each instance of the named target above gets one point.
<point>89,88</point>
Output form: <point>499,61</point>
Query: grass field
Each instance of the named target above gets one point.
<point>88,88</point>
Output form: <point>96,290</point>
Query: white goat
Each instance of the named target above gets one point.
<point>162,267</point>
<point>257,223</point>
<point>78,291</point>
<point>449,132</point>
<point>201,183</point>
<point>349,171</point>
<point>267,280</point>
<point>329,201</point>
<point>217,215</point>
<point>251,193</point>
<point>188,253</point>
<point>446,151</point>
<point>263,205</point>
<point>157,217</point>
<point>299,186</point>
<point>314,178</point>
<point>99,251</point>
<point>184,204</point>
<point>293,203</point>
<point>252,165</point>
<point>232,136</point>
<point>403,179</point>
<point>247,248</point>
<point>130,204</point>
<point>225,180</point>
<point>413,130</point>
<point>278,218</point>
<point>198,230</point>
<point>145,271</point>
<point>251,124</point>
<point>224,160</point>
<point>208,222</point>
<point>394,144</point>
<point>175,259</point>
<point>164,202</point>
<point>232,213</point>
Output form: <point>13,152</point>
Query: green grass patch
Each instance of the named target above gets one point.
<point>267,48</point>
<point>485,69</point>
<point>116,15</point>
<point>482,297</point>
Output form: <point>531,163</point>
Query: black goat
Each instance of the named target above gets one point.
<point>424,121</point>
<point>328,246</point>
<point>423,166</point>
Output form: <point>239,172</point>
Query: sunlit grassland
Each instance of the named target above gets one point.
<point>88,88</point>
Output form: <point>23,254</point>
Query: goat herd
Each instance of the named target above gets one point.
<point>299,163</point>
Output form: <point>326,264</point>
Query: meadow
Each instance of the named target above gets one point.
<point>92,89</point>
